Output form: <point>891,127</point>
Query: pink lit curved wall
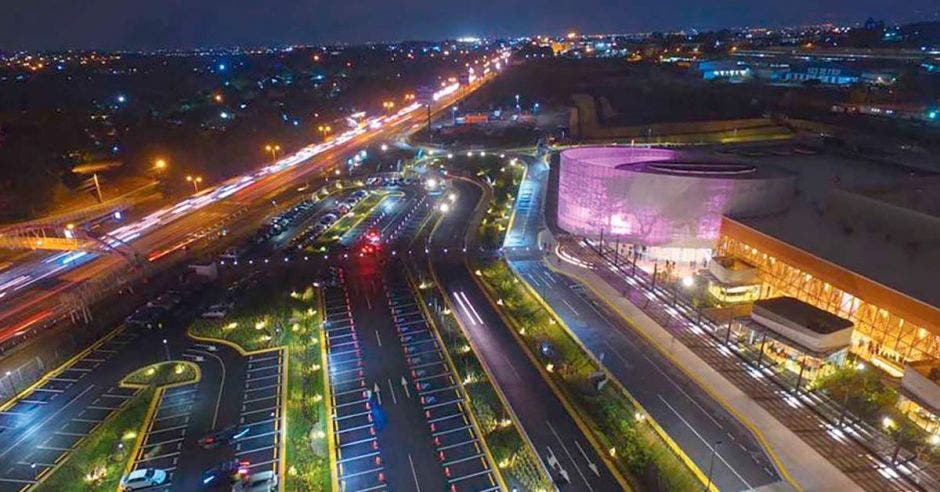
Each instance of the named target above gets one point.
<point>610,189</point>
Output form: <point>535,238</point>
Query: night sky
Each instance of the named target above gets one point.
<point>133,24</point>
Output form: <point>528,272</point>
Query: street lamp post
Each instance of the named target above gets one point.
<point>166,349</point>
<point>195,180</point>
<point>273,150</point>
<point>711,464</point>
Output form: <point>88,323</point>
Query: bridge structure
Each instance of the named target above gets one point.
<point>67,231</point>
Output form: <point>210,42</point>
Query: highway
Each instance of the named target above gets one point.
<point>31,293</point>
<point>552,431</point>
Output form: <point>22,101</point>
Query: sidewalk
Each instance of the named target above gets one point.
<point>810,470</point>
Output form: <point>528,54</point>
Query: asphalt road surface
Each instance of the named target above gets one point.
<point>552,431</point>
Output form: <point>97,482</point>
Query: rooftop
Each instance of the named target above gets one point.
<point>803,314</point>
<point>906,265</point>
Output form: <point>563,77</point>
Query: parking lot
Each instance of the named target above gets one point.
<point>56,402</point>
<point>359,463</point>
<point>262,411</point>
<point>455,439</point>
<point>167,431</point>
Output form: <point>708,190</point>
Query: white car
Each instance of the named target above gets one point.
<point>217,311</point>
<point>265,481</point>
<point>143,478</point>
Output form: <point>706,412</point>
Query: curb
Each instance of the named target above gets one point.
<point>327,397</point>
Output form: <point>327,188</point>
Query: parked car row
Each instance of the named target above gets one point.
<point>156,312</point>
<point>284,221</point>
<point>312,232</point>
<point>376,181</point>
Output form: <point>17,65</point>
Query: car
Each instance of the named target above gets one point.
<point>361,194</point>
<point>227,436</point>
<point>216,311</point>
<point>328,219</point>
<point>143,478</point>
<point>148,317</point>
<point>225,472</point>
<point>265,481</point>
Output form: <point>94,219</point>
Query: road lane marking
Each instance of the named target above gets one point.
<point>565,448</point>
<point>414,475</point>
<point>707,444</point>
<point>39,425</point>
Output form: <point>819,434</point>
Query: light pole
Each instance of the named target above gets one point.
<point>273,150</point>
<point>711,464</point>
<point>166,349</point>
<point>195,180</point>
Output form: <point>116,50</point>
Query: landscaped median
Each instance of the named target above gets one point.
<point>356,215</point>
<point>517,462</point>
<point>634,443</point>
<point>270,320</point>
<point>100,459</point>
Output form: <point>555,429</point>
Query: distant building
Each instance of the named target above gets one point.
<point>724,69</point>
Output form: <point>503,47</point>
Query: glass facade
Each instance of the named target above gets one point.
<point>881,335</point>
<point>669,202</point>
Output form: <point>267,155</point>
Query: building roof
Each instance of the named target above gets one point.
<point>898,263</point>
<point>803,314</point>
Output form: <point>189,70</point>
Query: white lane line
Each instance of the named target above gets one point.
<point>391,389</point>
<point>413,474</point>
<point>473,309</point>
<point>707,444</point>
<point>573,462</point>
<point>42,423</point>
<point>575,311</point>
<point>378,338</point>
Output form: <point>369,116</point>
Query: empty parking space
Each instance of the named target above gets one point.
<point>455,439</point>
<point>167,431</point>
<point>359,464</point>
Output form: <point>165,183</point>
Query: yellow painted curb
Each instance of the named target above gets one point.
<point>512,217</point>
<point>588,434</point>
<point>675,362</point>
<point>282,421</point>
<point>145,426</point>
<point>328,396</point>
<point>60,369</point>
<point>463,392</point>
<point>676,450</point>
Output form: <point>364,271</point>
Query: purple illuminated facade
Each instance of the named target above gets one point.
<point>662,198</point>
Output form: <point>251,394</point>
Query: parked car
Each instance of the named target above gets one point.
<point>149,317</point>
<point>143,478</point>
<point>265,481</point>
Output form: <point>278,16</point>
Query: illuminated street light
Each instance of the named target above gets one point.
<point>195,181</point>
<point>217,98</point>
<point>273,150</point>
<point>384,147</point>
<point>159,164</point>
<point>688,282</point>
<point>444,207</point>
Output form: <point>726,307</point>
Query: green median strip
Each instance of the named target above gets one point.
<point>272,319</point>
<point>643,454</point>
<point>99,460</point>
